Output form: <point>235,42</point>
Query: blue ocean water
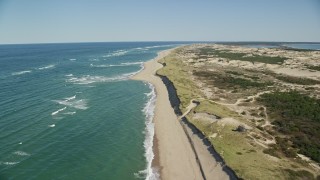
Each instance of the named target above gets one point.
<point>311,46</point>
<point>70,111</point>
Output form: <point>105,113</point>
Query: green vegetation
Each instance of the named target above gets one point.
<point>240,151</point>
<point>249,162</point>
<point>177,72</point>
<point>226,81</point>
<point>317,68</point>
<point>297,116</point>
<point>301,174</point>
<point>297,80</point>
<point>241,56</point>
<point>234,73</point>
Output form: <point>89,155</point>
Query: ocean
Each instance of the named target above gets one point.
<point>70,111</point>
<point>310,46</point>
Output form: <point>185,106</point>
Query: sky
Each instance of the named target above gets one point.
<point>52,21</point>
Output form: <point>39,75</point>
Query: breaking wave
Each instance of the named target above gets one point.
<point>70,98</point>
<point>8,163</point>
<point>117,65</point>
<point>70,113</point>
<point>87,79</point>
<point>21,153</point>
<point>107,65</point>
<point>116,53</point>
<point>149,173</point>
<point>59,110</point>
<point>77,104</point>
<point>47,67</point>
<point>20,72</point>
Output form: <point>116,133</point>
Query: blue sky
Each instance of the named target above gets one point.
<point>45,21</point>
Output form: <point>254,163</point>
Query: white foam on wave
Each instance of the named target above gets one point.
<point>116,53</point>
<point>87,79</point>
<point>47,67</point>
<point>69,75</point>
<point>52,125</point>
<point>107,65</point>
<point>117,65</point>
<point>9,163</point>
<point>141,49</point>
<point>70,98</point>
<point>59,110</point>
<point>20,72</point>
<point>78,104</point>
<point>72,59</point>
<point>21,153</point>
<point>70,113</point>
<point>149,173</point>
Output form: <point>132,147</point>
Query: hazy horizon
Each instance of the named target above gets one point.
<point>253,42</point>
<point>37,22</point>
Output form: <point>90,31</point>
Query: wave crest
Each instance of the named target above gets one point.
<point>117,65</point>
<point>117,53</point>
<point>87,79</point>
<point>77,104</point>
<point>20,72</point>
<point>47,67</point>
<point>9,163</point>
<point>59,110</point>
<point>21,153</point>
<point>149,173</point>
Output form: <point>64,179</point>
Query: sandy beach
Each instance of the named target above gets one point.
<point>175,157</point>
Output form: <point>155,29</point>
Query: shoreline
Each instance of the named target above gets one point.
<point>174,158</point>
<point>210,162</point>
<point>178,153</point>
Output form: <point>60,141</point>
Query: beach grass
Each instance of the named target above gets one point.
<point>297,80</point>
<point>241,56</point>
<point>178,74</point>
<point>239,151</point>
<point>316,68</point>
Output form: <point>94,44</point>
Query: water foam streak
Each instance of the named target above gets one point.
<point>47,67</point>
<point>20,73</point>
<point>149,173</point>
<point>87,79</point>
<point>59,110</point>
<point>116,53</point>
<point>77,104</point>
<point>21,153</point>
<point>117,65</point>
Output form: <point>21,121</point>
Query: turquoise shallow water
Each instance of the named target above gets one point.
<point>69,111</point>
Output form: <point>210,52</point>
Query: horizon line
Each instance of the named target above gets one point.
<point>227,41</point>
